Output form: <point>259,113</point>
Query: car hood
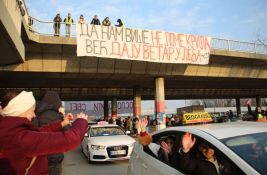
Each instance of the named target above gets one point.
<point>112,140</point>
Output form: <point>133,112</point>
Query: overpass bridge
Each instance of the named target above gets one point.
<point>37,61</point>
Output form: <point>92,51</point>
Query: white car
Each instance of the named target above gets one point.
<point>241,147</point>
<point>107,142</point>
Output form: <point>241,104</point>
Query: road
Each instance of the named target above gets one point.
<point>75,163</point>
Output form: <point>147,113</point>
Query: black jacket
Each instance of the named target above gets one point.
<point>193,165</point>
<point>255,113</point>
<point>95,21</point>
<point>47,112</point>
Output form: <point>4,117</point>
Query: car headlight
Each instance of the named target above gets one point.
<point>97,147</point>
<point>131,145</point>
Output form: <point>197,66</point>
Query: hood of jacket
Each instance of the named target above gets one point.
<point>50,101</point>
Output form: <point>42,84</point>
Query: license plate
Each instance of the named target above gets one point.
<point>117,152</point>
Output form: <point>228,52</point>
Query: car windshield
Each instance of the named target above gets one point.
<point>106,131</point>
<point>251,148</point>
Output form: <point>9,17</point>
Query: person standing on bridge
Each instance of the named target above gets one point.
<point>95,20</point>
<point>68,21</point>
<point>81,20</point>
<point>106,22</point>
<point>57,21</point>
<point>48,110</point>
<point>120,23</point>
<point>25,147</point>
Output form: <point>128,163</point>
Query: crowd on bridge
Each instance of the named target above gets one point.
<point>69,21</point>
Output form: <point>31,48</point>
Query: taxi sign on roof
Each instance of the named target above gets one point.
<point>199,117</point>
<point>102,123</point>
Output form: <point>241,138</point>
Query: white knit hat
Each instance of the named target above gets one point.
<point>19,104</point>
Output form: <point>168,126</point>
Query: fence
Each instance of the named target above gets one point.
<point>47,29</point>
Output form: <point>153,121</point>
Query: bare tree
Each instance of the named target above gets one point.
<point>214,102</point>
<point>260,39</point>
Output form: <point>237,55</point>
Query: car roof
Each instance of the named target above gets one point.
<point>227,130</point>
<point>103,125</point>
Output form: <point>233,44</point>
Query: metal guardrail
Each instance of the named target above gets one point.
<point>46,28</point>
<point>231,45</point>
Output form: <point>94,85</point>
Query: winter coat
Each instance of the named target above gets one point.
<point>193,165</point>
<point>95,21</point>
<point>180,161</point>
<point>20,141</point>
<point>106,22</point>
<point>47,112</point>
<point>57,21</point>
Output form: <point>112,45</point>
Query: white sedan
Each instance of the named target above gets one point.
<point>107,142</point>
<point>240,147</point>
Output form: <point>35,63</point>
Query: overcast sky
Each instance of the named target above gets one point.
<point>228,19</point>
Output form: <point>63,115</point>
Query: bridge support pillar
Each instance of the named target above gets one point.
<point>238,107</point>
<point>160,103</point>
<point>114,109</point>
<point>258,101</point>
<point>105,110</point>
<point>137,102</point>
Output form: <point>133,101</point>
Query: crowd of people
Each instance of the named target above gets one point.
<point>69,21</point>
<point>258,114</point>
<point>35,145</point>
<point>129,124</point>
<point>39,133</point>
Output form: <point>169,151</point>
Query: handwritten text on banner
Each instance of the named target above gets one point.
<point>143,45</point>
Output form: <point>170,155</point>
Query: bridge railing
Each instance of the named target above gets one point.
<point>231,45</point>
<point>46,28</point>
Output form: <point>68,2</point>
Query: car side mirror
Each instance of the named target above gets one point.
<point>128,132</point>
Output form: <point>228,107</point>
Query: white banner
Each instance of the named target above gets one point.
<point>142,45</point>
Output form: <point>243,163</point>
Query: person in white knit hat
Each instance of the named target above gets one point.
<point>23,147</point>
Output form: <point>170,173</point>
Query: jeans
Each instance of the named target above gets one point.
<point>55,169</point>
<point>68,30</point>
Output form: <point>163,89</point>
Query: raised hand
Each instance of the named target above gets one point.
<point>248,102</point>
<point>142,124</point>
<point>82,115</point>
<point>188,142</point>
<point>166,147</point>
<point>67,120</point>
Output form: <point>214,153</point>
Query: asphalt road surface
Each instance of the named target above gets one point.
<point>75,163</point>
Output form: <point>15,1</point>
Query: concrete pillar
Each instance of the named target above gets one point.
<point>137,102</point>
<point>238,107</point>
<point>160,103</point>
<point>114,108</point>
<point>106,110</point>
<point>258,101</point>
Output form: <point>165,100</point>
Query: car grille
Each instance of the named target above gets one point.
<point>98,157</point>
<point>118,149</point>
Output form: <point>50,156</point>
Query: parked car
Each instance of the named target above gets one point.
<point>241,147</point>
<point>247,117</point>
<point>106,142</point>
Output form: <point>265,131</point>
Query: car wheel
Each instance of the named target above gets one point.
<point>88,156</point>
